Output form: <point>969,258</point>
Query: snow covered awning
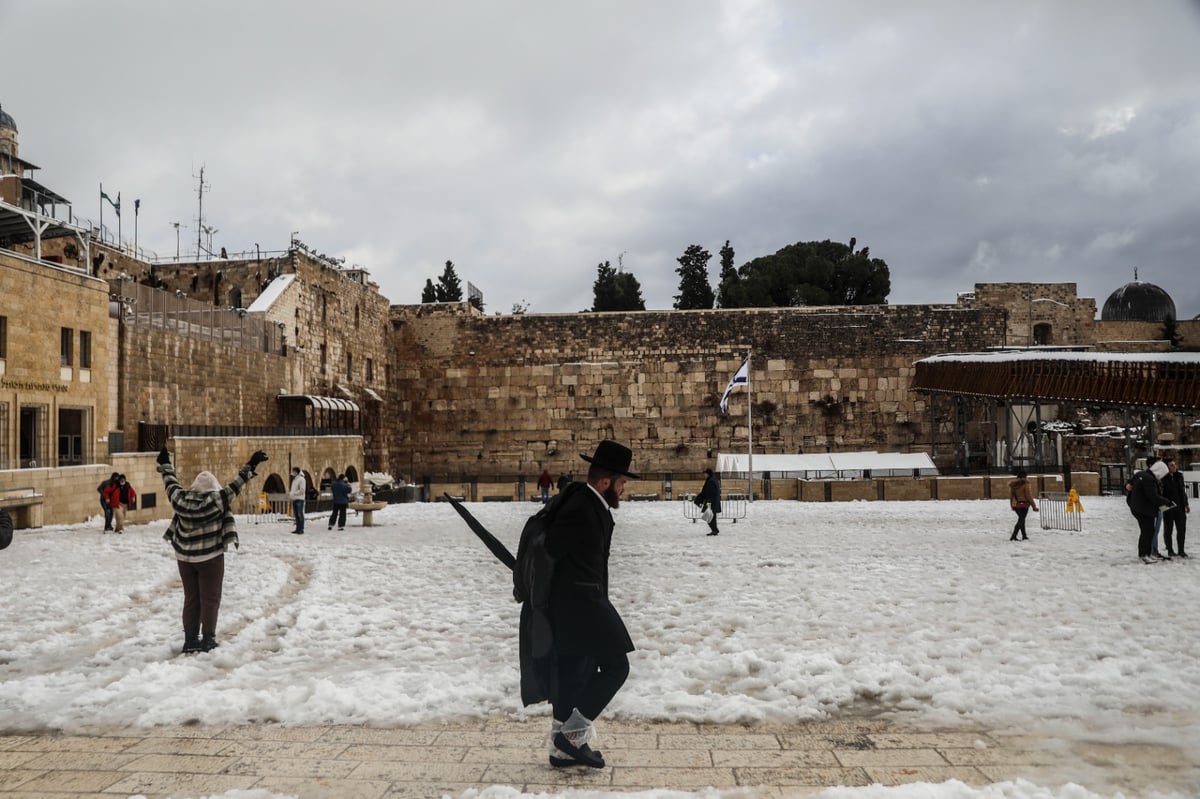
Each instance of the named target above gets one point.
<point>830,465</point>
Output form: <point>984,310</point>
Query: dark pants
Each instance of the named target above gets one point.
<point>298,512</point>
<point>588,683</point>
<point>1145,533</point>
<point>1019,527</point>
<point>107,514</point>
<point>202,595</point>
<point>338,516</point>
<point>1172,519</point>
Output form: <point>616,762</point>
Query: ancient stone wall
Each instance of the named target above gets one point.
<point>511,395</point>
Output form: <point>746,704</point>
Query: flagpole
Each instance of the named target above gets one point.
<point>749,433</point>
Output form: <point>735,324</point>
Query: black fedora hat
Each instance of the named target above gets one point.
<point>612,456</point>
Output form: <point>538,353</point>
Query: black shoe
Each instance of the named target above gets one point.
<point>297,532</point>
<point>1184,555</point>
<point>584,755</point>
<point>207,644</point>
<point>191,646</point>
<point>1024,538</point>
<point>1014,538</point>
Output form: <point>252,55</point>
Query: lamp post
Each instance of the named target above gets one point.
<point>1029,321</point>
<point>176,226</point>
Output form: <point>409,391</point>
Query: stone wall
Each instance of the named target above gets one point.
<point>511,395</point>
<point>1046,314</point>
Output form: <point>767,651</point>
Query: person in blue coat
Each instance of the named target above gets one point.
<point>340,490</point>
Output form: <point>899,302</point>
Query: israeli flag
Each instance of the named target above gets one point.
<point>740,378</point>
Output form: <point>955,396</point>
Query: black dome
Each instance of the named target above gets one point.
<point>6,120</point>
<point>1138,302</point>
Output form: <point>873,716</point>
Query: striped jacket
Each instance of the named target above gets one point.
<point>203,525</point>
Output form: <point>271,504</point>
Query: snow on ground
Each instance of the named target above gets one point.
<point>798,611</point>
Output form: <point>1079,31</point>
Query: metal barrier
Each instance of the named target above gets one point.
<point>1059,511</point>
<point>272,508</point>
<point>733,507</point>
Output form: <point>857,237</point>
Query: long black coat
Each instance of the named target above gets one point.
<point>578,616</point>
<point>710,492</point>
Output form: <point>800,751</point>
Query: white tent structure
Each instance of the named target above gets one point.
<point>830,465</point>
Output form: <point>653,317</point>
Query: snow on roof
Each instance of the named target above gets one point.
<point>271,293</point>
<point>1058,355</point>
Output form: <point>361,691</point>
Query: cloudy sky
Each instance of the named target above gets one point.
<point>529,141</point>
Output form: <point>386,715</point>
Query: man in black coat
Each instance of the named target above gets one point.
<point>1175,518</point>
<point>589,662</point>
<point>1145,500</point>
<point>710,495</point>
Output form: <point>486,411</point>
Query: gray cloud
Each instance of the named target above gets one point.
<point>529,141</point>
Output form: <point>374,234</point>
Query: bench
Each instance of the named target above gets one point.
<point>643,497</point>
<point>497,498</point>
<point>24,505</point>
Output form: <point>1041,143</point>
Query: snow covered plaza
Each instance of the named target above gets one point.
<point>917,642</point>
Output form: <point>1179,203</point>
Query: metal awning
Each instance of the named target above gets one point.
<point>324,403</point>
<point>371,394</point>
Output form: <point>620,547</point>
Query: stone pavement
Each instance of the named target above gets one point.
<point>431,760</point>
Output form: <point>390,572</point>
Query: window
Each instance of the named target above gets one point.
<point>349,366</point>
<point>324,355</point>
<point>370,370</point>
<point>85,349</point>
<point>66,350</point>
<point>3,336</point>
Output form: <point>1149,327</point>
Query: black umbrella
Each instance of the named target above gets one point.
<point>494,544</point>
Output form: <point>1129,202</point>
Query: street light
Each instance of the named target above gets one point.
<point>176,226</point>
<point>1029,325</point>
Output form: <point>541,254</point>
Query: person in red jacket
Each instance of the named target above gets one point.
<point>120,496</point>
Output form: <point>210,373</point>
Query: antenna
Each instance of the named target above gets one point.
<point>201,186</point>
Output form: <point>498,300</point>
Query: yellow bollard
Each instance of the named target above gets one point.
<point>1073,503</point>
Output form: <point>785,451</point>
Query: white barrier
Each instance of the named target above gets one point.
<point>1056,511</point>
<point>733,507</point>
<point>271,509</point>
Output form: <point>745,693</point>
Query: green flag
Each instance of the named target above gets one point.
<point>116,205</point>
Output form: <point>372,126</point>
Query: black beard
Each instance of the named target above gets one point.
<point>612,497</point>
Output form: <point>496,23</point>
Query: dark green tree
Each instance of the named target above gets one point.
<point>629,293</point>
<point>604,290</point>
<point>429,293</point>
<point>449,287</point>
<point>727,281</point>
<point>694,289</point>
<point>810,273</point>
<point>616,291</point>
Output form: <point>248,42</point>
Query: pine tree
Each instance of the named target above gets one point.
<point>728,280</point>
<point>694,289</point>
<point>449,287</point>
<point>604,290</point>
<point>429,293</point>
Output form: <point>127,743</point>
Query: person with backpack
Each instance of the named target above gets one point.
<point>1175,518</point>
<point>108,511</point>
<point>574,645</point>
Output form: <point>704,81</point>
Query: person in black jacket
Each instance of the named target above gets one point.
<point>590,641</point>
<point>1145,500</point>
<point>710,496</point>
<point>1174,490</point>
